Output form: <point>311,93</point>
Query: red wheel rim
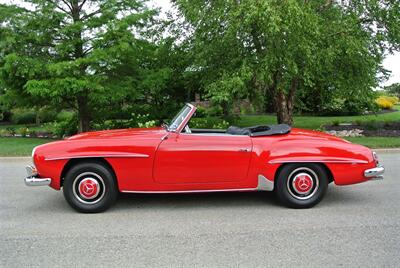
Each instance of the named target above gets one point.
<point>302,183</point>
<point>89,188</point>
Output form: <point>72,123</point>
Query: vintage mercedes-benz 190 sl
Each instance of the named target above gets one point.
<point>297,164</point>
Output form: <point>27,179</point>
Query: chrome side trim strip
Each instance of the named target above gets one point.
<point>319,161</point>
<point>103,155</point>
<point>263,185</point>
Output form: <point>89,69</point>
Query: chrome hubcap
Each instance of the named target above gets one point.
<point>302,183</point>
<point>88,188</point>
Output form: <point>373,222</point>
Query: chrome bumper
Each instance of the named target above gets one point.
<point>375,173</point>
<point>33,180</point>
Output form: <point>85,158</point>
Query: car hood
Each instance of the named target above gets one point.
<point>121,133</point>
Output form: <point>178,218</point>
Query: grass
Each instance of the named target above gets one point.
<point>376,142</point>
<point>315,122</point>
<point>11,146</point>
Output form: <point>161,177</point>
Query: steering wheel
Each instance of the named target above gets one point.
<point>187,129</point>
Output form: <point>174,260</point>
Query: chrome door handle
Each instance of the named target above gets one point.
<point>246,150</point>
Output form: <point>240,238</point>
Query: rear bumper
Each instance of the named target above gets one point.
<point>33,179</point>
<point>375,173</point>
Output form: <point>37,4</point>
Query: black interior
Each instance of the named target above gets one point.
<point>254,131</point>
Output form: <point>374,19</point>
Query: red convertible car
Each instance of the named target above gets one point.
<point>297,164</point>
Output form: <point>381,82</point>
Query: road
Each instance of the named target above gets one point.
<point>354,226</point>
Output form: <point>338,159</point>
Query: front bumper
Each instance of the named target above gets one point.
<point>375,173</point>
<point>33,180</point>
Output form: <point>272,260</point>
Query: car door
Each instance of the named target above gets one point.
<point>202,158</point>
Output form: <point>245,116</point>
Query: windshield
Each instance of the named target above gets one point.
<point>178,119</point>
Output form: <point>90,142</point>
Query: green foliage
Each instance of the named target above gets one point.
<point>209,123</point>
<point>394,89</point>
<point>135,121</point>
<point>335,122</point>
<point>23,131</point>
<point>67,127</point>
<point>275,51</point>
<point>99,58</point>
<point>46,114</point>
<point>64,115</point>
<point>23,116</point>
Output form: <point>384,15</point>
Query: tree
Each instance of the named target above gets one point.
<point>88,55</point>
<point>290,46</point>
<point>393,89</point>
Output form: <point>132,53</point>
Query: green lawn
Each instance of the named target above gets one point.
<point>377,142</point>
<point>19,146</point>
<point>315,122</point>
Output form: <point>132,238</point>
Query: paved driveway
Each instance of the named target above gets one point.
<point>355,225</point>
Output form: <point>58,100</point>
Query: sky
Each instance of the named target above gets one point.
<point>391,62</point>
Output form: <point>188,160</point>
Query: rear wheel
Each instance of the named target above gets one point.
<point>301,185</point>
<point>90,187</point>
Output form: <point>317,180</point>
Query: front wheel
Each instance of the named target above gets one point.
<point>301,185</point>
<point>90,187</point>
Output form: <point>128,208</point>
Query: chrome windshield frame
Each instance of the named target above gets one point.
<point>184,122</point>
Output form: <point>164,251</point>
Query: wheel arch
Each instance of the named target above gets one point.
<point>321,164</point>
<point>74,161</point>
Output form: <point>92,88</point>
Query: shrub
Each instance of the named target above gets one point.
<point>65,128</point>
<point>64,115</point>
<point>23,131</point>
<point>209,122</point>
<point>47,115</point>
<point>393,99</point>
<point>151,123</point>
<point>385,102</point>
<point>5,133</point>
<point>201,112</point>
<point>137,120</point>
<point>11,130</point>
<point>23,116</point>
<point>335,122</point>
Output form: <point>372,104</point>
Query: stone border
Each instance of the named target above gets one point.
<point>387,150</point>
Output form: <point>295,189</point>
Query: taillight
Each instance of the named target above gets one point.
<point>375,156</point>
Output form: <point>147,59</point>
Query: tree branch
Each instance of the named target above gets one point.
<point>81,5</point>
<point>67,4</point>
<point>86,51</point>
<point>87,16</point>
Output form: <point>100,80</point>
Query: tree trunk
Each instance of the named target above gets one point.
<point>284,104</point>
<point>83,114</point>
<point>284,108</point>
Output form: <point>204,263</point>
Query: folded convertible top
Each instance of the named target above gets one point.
<point>256,131</point>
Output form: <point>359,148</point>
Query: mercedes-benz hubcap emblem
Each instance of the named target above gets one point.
<point>89,188</point>
<point>302,183</point>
